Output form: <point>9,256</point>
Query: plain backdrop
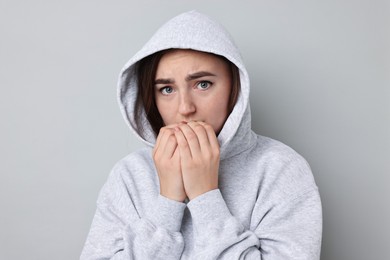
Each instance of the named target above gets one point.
<point>320,83</point>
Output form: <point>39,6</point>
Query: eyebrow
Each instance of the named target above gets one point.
<point>199,74</point>
<point>190,77</point>
<point>164,81</point>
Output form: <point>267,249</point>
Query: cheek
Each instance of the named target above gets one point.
<point>222,107</point>
<point>219,115</point>
<point>223,101</point>
<point>165,111</point>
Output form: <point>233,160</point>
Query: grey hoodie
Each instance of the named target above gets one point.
<point>267,205</point>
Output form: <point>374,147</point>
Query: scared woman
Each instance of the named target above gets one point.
<point>205,186</point>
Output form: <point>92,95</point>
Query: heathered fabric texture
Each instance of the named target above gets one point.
<point>267,205</point>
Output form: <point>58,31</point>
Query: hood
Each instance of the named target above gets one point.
<point>191,30</point>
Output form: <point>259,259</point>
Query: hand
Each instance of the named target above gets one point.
<point>199,157</point>
<point>167,160</point>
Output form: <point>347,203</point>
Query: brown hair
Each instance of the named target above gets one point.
<point>146,70</point>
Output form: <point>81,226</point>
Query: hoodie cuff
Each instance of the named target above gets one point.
<point>208,208</point>
<point>167,214</point>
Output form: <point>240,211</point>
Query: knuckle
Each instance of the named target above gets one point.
<point>156,157</point>
<point>191,136</point>
<point>172,139</point>
<point>185,145</point>
<point>198,128</point>
<point>208,128</point>
<point>162,129</point>
<point>217,154</point>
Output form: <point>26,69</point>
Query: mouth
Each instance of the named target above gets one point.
<point>191,120</point>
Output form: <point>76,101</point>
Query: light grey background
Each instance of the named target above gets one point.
<point>320,83</point>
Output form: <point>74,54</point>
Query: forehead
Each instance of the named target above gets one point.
<point>192,58</point>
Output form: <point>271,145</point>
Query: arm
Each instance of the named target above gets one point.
<point>291,229</point>
<point>119,231</point>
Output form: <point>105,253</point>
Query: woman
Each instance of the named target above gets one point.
<point>206,186</point>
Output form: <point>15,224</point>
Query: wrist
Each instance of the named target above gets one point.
<point>196,193</point>
<point>172,195</point>
<point>167,214</point>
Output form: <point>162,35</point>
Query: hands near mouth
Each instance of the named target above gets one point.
<point>186,156</point>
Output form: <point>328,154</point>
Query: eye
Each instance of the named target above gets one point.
<point>203,85</point>
<point>166,90</point>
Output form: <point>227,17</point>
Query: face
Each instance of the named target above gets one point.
<point>193,86</point>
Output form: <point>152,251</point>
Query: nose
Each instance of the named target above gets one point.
<point>186,106</point>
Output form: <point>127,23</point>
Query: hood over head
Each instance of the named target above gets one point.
<point>196,31</point>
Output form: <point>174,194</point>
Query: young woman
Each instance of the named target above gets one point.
<point>206,186</point>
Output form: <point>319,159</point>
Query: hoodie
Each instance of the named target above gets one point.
<point>267,205</point>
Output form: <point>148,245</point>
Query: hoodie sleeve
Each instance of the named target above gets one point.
<point>218,234</point>
<point>119,232</point>
<point>291,229</point>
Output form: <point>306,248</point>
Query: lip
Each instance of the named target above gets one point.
<point>191,120</point>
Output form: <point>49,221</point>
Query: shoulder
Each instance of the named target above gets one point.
<point>138,160</point>
<point>275,152</point>
<point>275,149</point>
<point>283,165</point>
<point>122,194</point>
<point>134,170</point>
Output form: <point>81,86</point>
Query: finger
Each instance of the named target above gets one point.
<point>176,154</point>
<point>184,148</point>
<point>211,135</point>
<point>157,144</point>
<point>167,144</point>
<point>200,131</point>
<point>192,139</point>
<point>170,145</point>
<point>162,131</point>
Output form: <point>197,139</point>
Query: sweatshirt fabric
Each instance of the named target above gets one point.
<point>267,205</point>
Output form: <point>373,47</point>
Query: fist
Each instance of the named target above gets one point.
<point>199,157</point>
<point>166,158</point>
